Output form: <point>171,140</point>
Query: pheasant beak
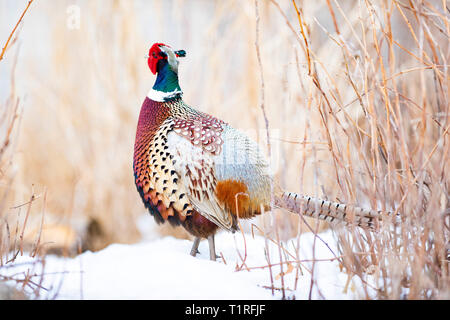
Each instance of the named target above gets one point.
<point>180,53</point>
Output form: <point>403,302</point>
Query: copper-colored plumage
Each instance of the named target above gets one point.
<point>235,197</point>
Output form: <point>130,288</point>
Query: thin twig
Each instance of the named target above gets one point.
<point>258,54</point>
<point>14,30</point>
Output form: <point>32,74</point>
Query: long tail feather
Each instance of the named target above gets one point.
<point>329,211</point>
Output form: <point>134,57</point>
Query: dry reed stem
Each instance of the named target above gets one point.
<point>14,30</point>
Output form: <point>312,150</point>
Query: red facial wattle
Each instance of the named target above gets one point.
<point>152,63</point>
<point>154,55</point>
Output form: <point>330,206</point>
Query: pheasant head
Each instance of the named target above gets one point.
<point>163,61</point>
<point>160,55</point>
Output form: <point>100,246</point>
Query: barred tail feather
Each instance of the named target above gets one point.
<point>332,212</point>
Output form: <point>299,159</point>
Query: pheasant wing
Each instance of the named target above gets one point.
<point>195,143</point>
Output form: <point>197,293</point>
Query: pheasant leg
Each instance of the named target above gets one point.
<point>212,248</point>
<point>194,249</point>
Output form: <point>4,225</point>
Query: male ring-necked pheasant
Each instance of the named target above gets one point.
<point>193,169</point>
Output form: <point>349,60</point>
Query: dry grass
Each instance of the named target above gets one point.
<point>380,102</point>
<point>356,97</point>
<point>13,220</point>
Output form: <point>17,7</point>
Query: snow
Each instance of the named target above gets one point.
<point>161,268</point>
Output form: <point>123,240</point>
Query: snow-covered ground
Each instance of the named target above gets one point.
<point>161,268</point>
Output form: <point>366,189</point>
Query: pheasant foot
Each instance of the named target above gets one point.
<point>194,249</point>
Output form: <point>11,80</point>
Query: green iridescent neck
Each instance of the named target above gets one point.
<point>167,79</point>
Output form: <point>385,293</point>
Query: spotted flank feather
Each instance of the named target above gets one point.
<point>156,178</point>
<point>165,178</point>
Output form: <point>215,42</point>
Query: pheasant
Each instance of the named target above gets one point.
<point>197,171</point>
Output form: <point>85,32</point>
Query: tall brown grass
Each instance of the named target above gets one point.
<point>13,224</point>
<point>356,97</point>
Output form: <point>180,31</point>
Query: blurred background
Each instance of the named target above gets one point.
<point>356,100</point>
